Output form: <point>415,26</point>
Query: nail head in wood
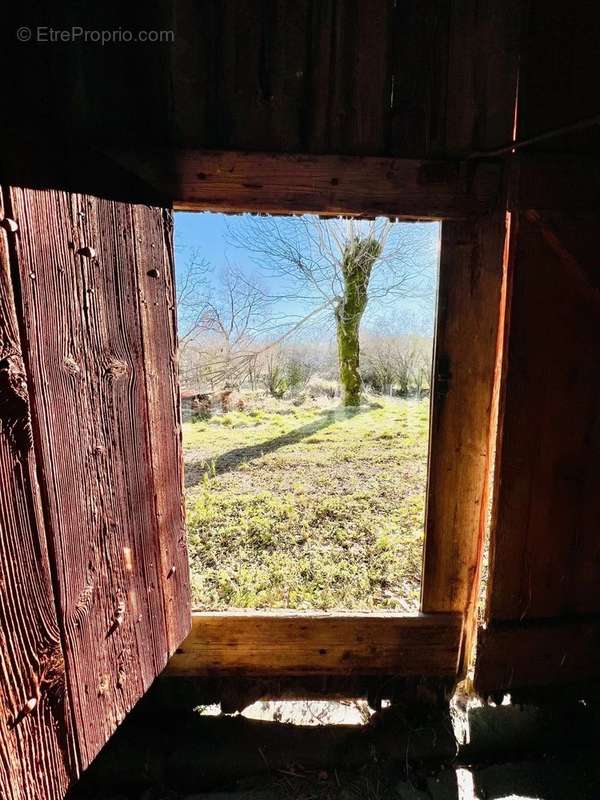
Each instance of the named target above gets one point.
<point>30,705</point>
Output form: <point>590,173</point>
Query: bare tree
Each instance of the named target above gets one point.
<point>234,317</point>
<point>334,267</point>
<point>221,314</point>
<point>421,370</point>
<point>193,291</point>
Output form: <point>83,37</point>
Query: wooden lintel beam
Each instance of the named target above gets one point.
<point>232,182</point>
<point>285,643</point>
<point>537,653</point>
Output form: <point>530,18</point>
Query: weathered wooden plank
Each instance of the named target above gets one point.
<point>545,546</point>
<point>515,656</point>
<point>482,69</point>
<point>319,85</point>
<point>152,232</point>
<point>77,264</point>
<point>282,643</point>
<point>37,754</point>
<point>556,91</point>
<point>239,104</point>
<point>469,311</point>
<point>555,182</point>
<point>268,182</point>
<point>360,77</point>
<point>420,78</point>
<point>194,84</point>
<point>283,73</point>
<point>239,73</point>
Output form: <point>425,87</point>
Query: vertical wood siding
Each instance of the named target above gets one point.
<point>36,739</point>
<point>423,79</point>
<point>95,296</point>
<point>546,549</point>
<point>543,604</point>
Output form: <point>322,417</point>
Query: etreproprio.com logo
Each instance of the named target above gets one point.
<point>44,34</point>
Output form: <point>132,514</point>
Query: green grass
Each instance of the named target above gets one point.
<point>308,507</point>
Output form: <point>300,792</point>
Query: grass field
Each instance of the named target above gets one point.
<point>308,507</point>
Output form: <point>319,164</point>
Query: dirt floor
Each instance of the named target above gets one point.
<point>308,506</point>
<point>510,752</point>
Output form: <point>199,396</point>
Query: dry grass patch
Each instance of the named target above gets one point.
<point>309,507</point>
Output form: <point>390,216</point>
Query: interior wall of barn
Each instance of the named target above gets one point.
<point>429,80</point>
<point>423,80</point>
<point>543,597</point>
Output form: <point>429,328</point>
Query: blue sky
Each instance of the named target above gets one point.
<point>206,234</point>
<point>202,231</point>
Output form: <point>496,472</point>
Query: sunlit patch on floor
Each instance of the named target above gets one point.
<point>311,712</point>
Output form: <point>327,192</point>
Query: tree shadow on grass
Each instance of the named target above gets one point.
<point>232,459</point>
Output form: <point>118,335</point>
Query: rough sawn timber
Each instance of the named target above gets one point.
<point>461,446</point>
<point>512,655</point>
<point>288,643</point>
<point>37,757</point>
<point>94,335</point>
<point>197,180</point>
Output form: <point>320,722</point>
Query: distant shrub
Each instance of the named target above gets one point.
<point>320,387</point>
<point>201,416</point>
<point>375,380</point>
<point>275,381</point>
<point>202,409</point>
<point>297,374</point>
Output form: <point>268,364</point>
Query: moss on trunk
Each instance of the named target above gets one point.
<point>358,259</point>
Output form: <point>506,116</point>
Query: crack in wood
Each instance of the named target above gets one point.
<point>14,403</point>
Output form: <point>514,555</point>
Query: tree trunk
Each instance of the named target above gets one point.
<point>357,263</point>
<point>349,355</point>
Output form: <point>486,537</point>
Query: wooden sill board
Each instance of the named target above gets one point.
<point>274,643</point>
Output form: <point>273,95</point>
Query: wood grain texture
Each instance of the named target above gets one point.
<point>542,653</point>
<point>469,310</point>
<point>545,548</point>
<point>556,91</point>
<point>152,233</point>
<point>37,757</point>
<point>419,78</point>
<point>79,265</point>
<point>554,182</point>
<point>238,72</point>
<point>482,68</point>
<point>359,81</point>
<point>270,182</point>
<point>282,643</point>
<point>424,79</point>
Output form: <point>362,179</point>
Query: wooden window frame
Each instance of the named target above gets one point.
<point>465,197</point>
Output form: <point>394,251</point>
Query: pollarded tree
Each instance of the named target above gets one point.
<point>358,258</point>
<point>316,266</point>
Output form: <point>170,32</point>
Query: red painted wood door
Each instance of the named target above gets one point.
<point>94,592</point>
